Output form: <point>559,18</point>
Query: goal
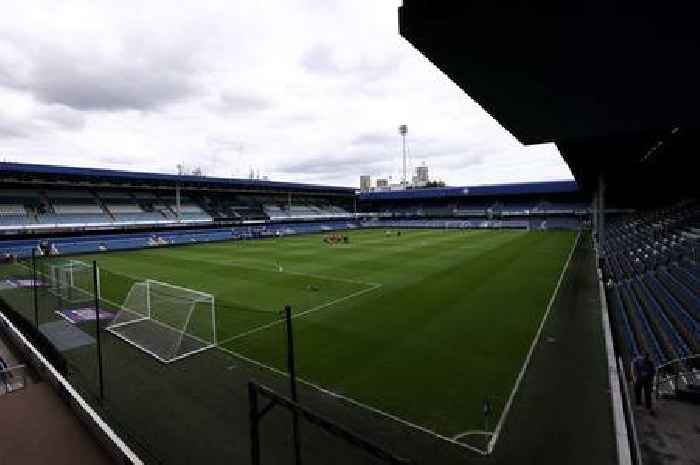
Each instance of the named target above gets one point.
<point>166,321</point>
<point>72,281</point>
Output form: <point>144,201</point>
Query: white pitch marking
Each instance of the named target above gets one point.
<point>358,404</point>
<point>526,363</point>
<point>299,315</point>
<point>476,432</point>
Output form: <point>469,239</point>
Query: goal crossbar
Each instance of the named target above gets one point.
<point>204,295</point>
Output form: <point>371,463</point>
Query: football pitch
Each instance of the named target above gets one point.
<point>423,326</point>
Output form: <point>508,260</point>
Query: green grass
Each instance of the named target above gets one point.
<point>422,326</point>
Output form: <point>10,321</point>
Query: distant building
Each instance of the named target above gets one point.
<point>422,180</point>
<point>422,174</point>
<point>365,183</point>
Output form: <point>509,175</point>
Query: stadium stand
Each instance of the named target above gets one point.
<point>18,207</point>
<point>549,205</point>
<point>38,197</point>
<point>653,281</point>
<point>106,199</point>
<point>102,210</point>
<point>71,207</point>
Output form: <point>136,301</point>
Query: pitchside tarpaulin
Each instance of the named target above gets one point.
<point>84,314</point>
<point>65,336</point>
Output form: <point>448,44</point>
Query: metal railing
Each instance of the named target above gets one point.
<point>12,379</point>
<point>669,374</point>
<point>262,399</point>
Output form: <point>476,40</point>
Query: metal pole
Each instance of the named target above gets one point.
<point>254,430</point>
<point>601,210</point>
<point>594,214</point>
<point>290,353</point>
<point>177,200</point>
<point>292,382</point>
<point>403,137</point>
<point>403,130</point>
<point>35,286</point>
<point>98,329</point>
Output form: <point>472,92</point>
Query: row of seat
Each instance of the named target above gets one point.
<point>653,283</point>
<point>473,209</point>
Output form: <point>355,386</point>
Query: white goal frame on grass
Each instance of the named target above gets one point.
<point>62,283</point>
<point>133,317</point>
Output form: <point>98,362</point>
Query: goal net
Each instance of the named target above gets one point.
<point>166,321</point>
<point>71,281</point>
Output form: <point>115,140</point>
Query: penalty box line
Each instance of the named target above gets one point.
<point>300,314</point>
<point>356,403</point>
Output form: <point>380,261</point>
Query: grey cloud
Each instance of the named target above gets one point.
<point>375,138</point>
<point>63,117</point>
<point>332,165</point>
<point>224,143</point>
<point>369,157</point>
<point>49,117</point>
<point>231,103</point>
<point>319,59</point>
<point>110,89</point>
<point>322,113</point>
<point>462,160</point>
<point>12,129</point>
<point>111,160</point>
<point>292,120</point>
<point>144,80</point>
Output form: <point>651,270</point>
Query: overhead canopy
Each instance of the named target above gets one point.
<point>606,80</point>
<point>19,172</point>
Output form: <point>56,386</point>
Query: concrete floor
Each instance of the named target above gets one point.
<point>671,435</point>
<point>38,427</point>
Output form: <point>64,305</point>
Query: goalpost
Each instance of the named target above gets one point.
<point>71,281</point>
<point>166,321</point>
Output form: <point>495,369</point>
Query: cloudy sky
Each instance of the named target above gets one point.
<point>301,90</point>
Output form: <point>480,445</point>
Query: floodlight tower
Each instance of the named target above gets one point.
<point>403,130</point>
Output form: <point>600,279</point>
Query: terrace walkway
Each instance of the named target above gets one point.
<point>39,428</point>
